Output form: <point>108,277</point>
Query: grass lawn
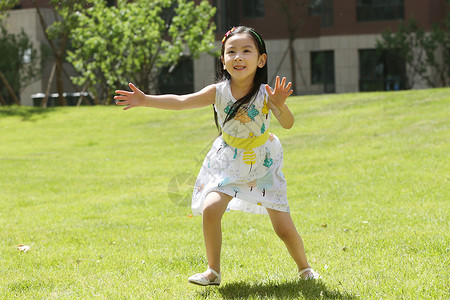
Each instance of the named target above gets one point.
<point>93,191</point>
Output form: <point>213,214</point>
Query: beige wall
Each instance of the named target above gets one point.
<point>28,20</point>
<point>345,59</point>
<point>346,62</point>
<point>204,71</point>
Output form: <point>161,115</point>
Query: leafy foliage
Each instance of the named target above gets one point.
<point>440,38</point>
<point>19,61</point>
<point>135,40</point>
<point>426,53</point>
<point>66,9</point>
<point>7,4</point>
<point>57,35</point>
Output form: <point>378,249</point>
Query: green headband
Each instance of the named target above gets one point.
<point>234,28</point>
<point>257,35</point>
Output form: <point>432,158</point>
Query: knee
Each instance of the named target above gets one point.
<point>213,211</point>
<point>209,210</point>
<point>215,205</point>
<point>286,232</point>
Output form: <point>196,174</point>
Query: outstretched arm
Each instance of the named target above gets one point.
<point>277,99</point>
<point>136,98</point>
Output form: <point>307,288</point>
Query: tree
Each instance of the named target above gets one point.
<point>295,12</point>
<point>5,5</point>
<point>136,40</point>
<point>437,45</point>
<point>57,35</point>
<point>421,50</point>
<point>18,66</point>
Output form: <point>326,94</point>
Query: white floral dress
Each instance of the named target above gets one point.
<point>252,176</point>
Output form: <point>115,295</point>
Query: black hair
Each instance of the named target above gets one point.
<point>260,76</point>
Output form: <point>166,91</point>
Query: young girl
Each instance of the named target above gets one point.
<point>242,171</point>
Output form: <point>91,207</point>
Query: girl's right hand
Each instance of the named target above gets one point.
<point>130,99</point>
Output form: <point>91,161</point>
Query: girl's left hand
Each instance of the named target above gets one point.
<point>279,94</point>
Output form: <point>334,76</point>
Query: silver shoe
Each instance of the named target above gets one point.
<point>201,279</point>
<point>313,275</point>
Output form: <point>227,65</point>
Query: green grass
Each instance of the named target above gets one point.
<point>86,188</point>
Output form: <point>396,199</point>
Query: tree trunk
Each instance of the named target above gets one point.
<point>293,64</point>
<point>60,82</point>
<point>49,84</point>
<point>9,88</point>
<point>58,54</point>
<point>2,100</point>
<point>443,79</point>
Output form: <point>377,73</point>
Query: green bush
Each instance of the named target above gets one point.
<point>19,62</point>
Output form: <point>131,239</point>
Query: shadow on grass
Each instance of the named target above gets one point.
<point>25,113</point>
<point>294,289</point>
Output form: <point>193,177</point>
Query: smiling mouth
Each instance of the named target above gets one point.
<point>239,68</point>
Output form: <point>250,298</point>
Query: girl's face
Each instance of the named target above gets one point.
<point>241,57</point>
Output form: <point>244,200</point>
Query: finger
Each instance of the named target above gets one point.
<point>290,92</point>
<point>134,88</point>
<point>283,82</point>
<point>121,97</point>
<point>289,86</point>
<point>269,89</point>
<point>127,107</point>
<point>121,92</point>
<point>122,103</point>
<point>277,83</point>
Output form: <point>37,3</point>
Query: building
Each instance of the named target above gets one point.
<point>335,45</point>
<point>334,48</point>
<point>24,16</point>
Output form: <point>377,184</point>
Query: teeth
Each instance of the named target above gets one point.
<point>239,68</point>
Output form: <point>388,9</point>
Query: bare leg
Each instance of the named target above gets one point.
<point>213,209</point>
<point>286,231</point>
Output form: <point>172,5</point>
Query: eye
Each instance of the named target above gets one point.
<point>247,51</point>
<point>230,52</point>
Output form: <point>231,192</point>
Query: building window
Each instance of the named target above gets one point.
<point>380,10</point>
<point>178,79</point>
<point>322,69</point>
<point>315,8</point>
<point>324,9</point>
<point>227,14</point>
<point>253,8</point>
<point>448,62</point>
<point>381,71</point>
